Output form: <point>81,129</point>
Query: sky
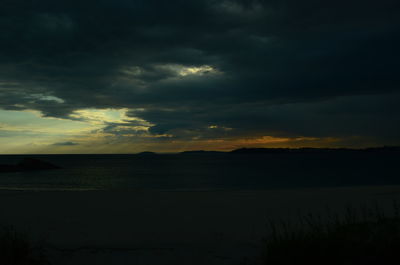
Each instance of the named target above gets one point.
<point>125,76</point>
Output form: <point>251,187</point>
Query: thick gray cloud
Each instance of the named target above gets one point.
<point>301,68</point>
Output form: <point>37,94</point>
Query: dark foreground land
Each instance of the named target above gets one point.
<point>356,236</point>
<point>205,208</point>
<point>201,228</point>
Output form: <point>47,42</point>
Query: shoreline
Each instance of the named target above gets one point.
<point>9,190</point>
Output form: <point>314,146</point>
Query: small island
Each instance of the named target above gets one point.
<point>28,164</point>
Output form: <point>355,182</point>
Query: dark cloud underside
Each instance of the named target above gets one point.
<point>297,68</point>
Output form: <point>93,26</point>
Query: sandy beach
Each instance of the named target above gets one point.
<point>167,227</point>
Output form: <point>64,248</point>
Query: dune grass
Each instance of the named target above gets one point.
<point>359,237</point>
<point>17,249</point>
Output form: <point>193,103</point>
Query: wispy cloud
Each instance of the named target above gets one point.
<point>65,144</point>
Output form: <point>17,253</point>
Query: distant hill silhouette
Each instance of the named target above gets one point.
<point>200,152</point>
<point>282,151</point>
<point>312,150</point>
<point>147,153</point>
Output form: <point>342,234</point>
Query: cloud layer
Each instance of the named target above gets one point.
<point>190,70</point>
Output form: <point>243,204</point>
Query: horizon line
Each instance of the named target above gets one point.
<point>219,151</point>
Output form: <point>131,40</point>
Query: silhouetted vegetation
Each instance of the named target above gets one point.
<point>361,237</point>
<point>17,249</point>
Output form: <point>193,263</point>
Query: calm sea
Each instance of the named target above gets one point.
<point>205,171</point>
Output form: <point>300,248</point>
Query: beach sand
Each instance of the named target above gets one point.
<point>167,227</point>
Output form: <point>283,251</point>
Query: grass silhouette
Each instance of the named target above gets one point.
<point>359,237</point>
<point>17,249</point>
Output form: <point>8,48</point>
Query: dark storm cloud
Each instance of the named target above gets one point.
<point>278,65</point>
<point>365,115</point>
